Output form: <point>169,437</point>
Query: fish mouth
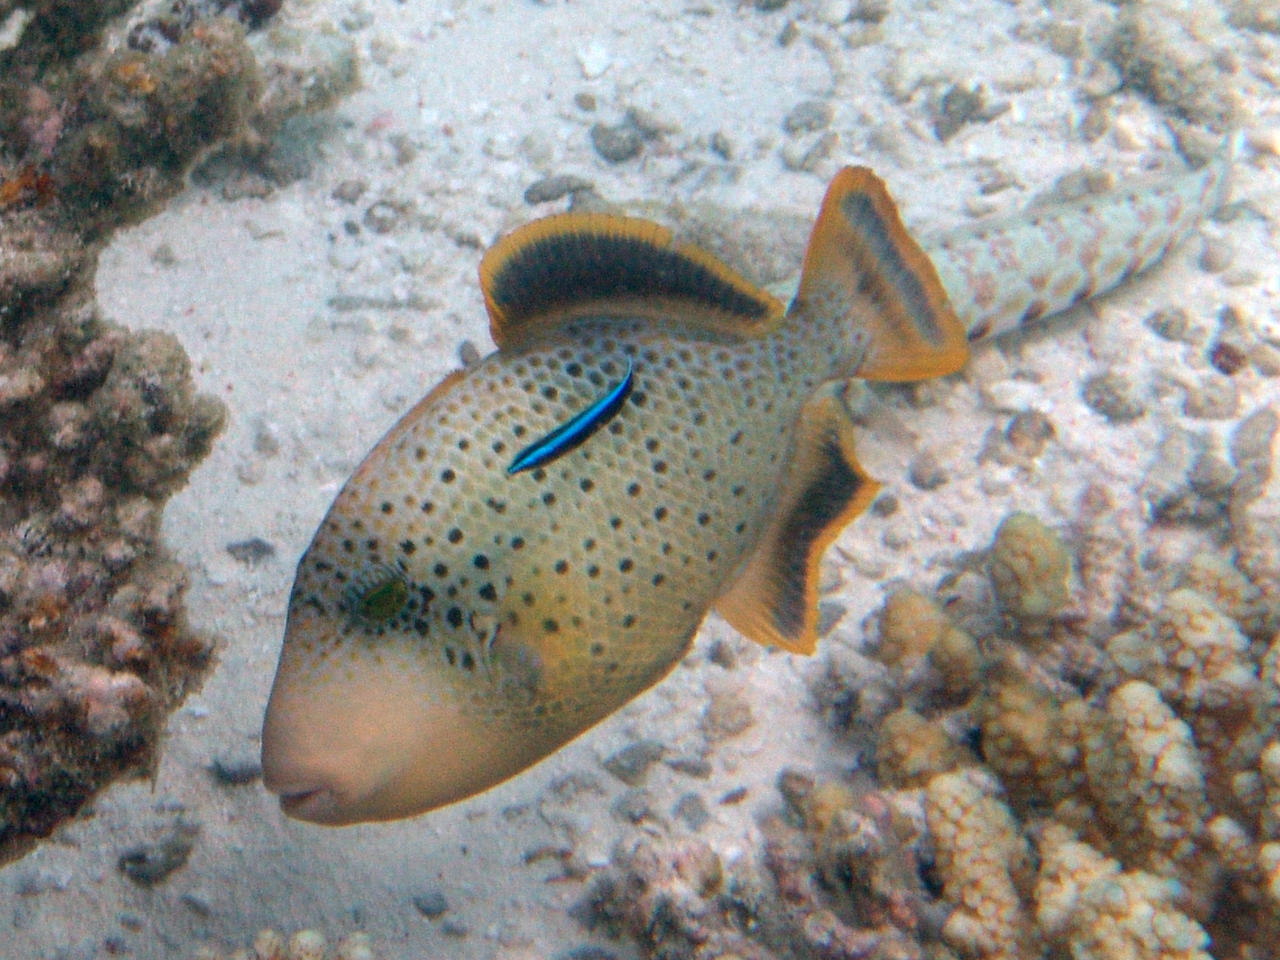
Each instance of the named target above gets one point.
<point>314,804</point>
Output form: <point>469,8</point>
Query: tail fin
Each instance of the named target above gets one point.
<point>863,268</point>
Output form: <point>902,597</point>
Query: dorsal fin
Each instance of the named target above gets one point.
<point>574,264</point>
<point>774,599</point>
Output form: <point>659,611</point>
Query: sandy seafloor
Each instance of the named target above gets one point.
<point>317,335</point>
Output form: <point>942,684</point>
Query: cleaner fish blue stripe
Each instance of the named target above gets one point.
<point>576,431</point>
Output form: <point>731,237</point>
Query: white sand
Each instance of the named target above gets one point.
<point>480,98</point>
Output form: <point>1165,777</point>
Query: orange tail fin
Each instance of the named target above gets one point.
<point>862,264</point>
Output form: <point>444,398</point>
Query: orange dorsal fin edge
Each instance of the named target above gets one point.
<point>581,264</point>
<point>774,597</point>
<point>862,264</point>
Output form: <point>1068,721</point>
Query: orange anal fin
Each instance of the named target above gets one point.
<point>774,599</point>
<point>862,263</point>
<point>576,264</point>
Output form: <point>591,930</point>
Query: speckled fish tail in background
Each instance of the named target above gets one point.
<point>1010,271</point>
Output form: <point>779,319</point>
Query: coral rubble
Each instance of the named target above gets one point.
<point>303,945</point>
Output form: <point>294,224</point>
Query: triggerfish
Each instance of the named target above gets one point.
<point>536,542</point>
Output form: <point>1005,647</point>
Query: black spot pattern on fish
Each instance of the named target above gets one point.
<point>622,543</point>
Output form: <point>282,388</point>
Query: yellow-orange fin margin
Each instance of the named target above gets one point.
<point>862,263</point>
<point>575,264</point>
<point>373,460</point>
<point>774,598</point>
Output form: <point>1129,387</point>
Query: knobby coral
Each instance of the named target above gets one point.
<point>1022,809</point>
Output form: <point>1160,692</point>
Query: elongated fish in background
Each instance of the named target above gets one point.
<point>537,541</point>
<point>1004,273</point>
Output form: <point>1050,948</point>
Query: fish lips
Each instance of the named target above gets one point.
<point>312,804</point>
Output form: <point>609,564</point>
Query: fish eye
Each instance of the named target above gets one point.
<point>378,598</point>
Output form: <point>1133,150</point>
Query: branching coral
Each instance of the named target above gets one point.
<point>1133,815</point>
<point>1156,785</point>
<point>984,865</point>
<point>1087,905</point>
<point>1147,785</point>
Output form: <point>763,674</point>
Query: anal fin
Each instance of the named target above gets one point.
<point>774,599</point>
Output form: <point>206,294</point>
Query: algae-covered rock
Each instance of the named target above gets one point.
<point>98,425</point>
<point>146,117</point>
<point>1030,568</point>
<point>94,647</point>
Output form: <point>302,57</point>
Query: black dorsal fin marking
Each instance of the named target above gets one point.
<point>578,263</point>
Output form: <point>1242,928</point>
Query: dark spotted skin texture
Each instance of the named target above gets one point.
<point>555,595</point>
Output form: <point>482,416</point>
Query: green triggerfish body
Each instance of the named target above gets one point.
<point>536,542</point>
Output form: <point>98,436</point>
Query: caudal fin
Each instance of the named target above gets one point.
<point>864,268</point>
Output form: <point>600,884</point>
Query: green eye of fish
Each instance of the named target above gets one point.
<point>379,598</point>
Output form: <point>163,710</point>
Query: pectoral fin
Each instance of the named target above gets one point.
<point>774,599</point>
